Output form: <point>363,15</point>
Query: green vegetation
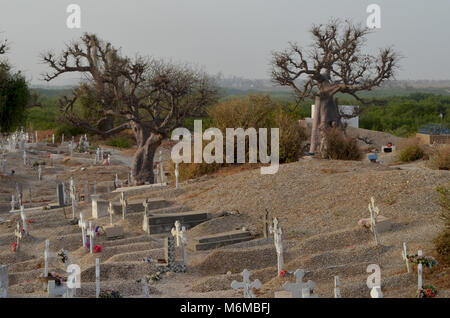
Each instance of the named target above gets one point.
<point>14,98</point>
<point>411,150</point>
<point>119,142</point>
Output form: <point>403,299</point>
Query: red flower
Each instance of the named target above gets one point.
<point>14,246</point>
<point>282,273</point>
<point>97,249</point>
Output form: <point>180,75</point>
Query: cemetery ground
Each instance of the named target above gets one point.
<point>318,204</point>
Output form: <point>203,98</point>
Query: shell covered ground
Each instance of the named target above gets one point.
<point>317,202</point>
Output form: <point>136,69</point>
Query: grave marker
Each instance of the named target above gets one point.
<point>111,212</point>
<point>405,256</point>
<point>277,233</point>
<point>145,225</point>
<point>91,234</point>
<point>300,289</point>
<point>83,225</point>
<point>24,220</point>
<point>374,211</point>
<point>180,235</point>
<point>46,258</point>
<point>18,235</point>
<point>123,203</point>
<point>246,284</point>
<point>39,173</point>
<point>419,272</point>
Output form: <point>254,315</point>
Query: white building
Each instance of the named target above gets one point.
<point>344,109</point>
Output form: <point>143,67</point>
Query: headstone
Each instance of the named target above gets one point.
<point>99,207</point>
<point>60,194</point>
<point>4,281</point>
<point>246,284</point>
<point>277,233</point>
<point>171,264</point>
<point>145,225</point>
<point>300,289</point>
<point>405,256</point>
<point>113,231</point>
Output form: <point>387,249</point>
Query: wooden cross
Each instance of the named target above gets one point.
<point>374,211</point>
<point>111,212</point>
<point>337,287</point>
<point>299,289</point>
<point>124,204</point>
<point>83,225</point>
<point>246,284</point>
<point>405,256</point>
<point>277,233</point>
<point>91,234</point>
<point>18,235</point>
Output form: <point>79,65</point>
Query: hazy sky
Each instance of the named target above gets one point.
<point>234,37</point>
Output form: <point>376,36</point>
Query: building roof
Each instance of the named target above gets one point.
<point>434,129</point>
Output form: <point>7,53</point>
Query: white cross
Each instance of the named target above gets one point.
<point>24,157</point>
<point>13,202</point>
<point>18,235</point>
<point>116,181</point>
<point>176,231</point>
<point>124,204</point>
<point>337,287</point>
<point>299,289</point>
<point>405,255</point>
<point>39,173</point>
<point>246,284</point>
<point>46,258</point>
<point>91,234</point>
<point>111,212</point>
<point>374,211</point>
<point>24,220</point>
<point>419,272</point>
<point>277,233</point>
<point>83,225</point>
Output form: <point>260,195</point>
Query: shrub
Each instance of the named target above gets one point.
<point>292,137</point>
<point>442,242</point>
<point>411,150</point>
<point>119,142</point>
<point>68,130</point>
<point>439,157</point>
<point>338,146</point>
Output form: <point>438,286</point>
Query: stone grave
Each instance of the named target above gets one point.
<point>170,264</point>
<point>219,239</point>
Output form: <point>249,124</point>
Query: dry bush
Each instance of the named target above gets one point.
<point>338,146</point>
<point>442,242</point>
<point>292,136</point>
<point>244,112</point>
<point>411,150</point>
<point>439,157</point>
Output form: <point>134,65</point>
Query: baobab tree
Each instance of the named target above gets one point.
<point>150,96</point>
<point>334,63</point>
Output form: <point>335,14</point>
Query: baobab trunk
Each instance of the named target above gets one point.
<point>326,115</point>
<point>142,167</point>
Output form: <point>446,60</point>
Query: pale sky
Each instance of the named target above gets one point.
<point>235,37</point>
